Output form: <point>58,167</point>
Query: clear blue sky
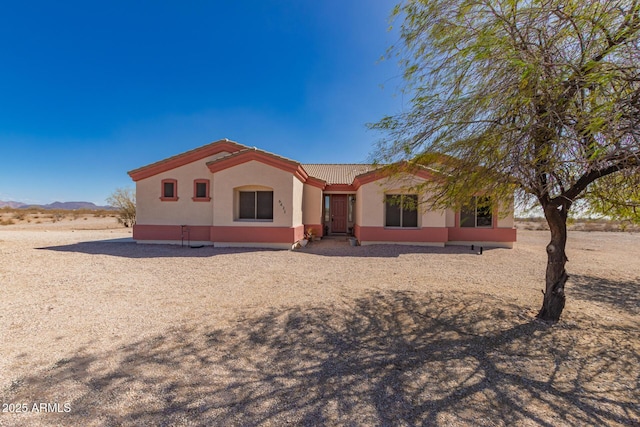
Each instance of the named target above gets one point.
<point>90,90</point>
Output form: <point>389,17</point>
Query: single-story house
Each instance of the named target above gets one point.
<point>228,194</point>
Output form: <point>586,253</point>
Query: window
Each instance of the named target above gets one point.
<point>256,205</point>
<point>201,190</point>
<point>401,210</point>
<point>350,205</point>
<point>477,213</point>
<point>169,190</point>
<point>327,210</point>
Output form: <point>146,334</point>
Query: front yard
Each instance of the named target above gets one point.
<point>106,332</point>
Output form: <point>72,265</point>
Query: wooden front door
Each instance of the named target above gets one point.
<point>339,213</point>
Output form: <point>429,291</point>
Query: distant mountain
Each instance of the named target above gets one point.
<point>13,205</point>
<point>74,206</point>
<point>70,206</point>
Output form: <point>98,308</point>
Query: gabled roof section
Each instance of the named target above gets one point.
<point>389,170</point>
<point>221,146</point>
<point>337,173</point>
<point>335,177</point>
<point>253,154</point>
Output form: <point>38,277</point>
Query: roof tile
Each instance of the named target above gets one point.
<point>337,173</point>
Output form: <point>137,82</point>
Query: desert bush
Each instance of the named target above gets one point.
<point>124,200</point>
<point>19,215</point>
<point>58,215</point>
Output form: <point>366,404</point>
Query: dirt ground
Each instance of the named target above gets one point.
<point>98,331</point>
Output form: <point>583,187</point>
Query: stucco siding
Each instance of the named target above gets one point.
<point>370,210</point>
<point>252,176</point>
<point>153,211</point>
<point>358,208</point>
<point>450,215</point>
<point>296,202</point>
<point>505,215</point>
<point>311,205</point>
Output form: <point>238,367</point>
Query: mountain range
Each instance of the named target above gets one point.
<point>54,205</point>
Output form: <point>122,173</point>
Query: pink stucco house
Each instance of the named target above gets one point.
<point>228,194</point>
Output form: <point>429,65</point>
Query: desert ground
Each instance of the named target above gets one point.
<point>99,331</point>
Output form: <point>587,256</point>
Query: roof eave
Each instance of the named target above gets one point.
<point>253,154</point>
<point>211,149</point>
<point>389,170</point>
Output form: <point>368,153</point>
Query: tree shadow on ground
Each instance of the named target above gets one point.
<point>621,294</point>
<point>393,358</point>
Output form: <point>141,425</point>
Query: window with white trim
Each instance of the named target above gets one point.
<point>478,213</point>
<point>256,205</point>
<point>401,210</point>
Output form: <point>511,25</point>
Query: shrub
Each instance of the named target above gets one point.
<point>124,199</point>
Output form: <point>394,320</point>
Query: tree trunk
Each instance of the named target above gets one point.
<point>556,277</point>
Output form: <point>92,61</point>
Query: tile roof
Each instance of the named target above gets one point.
<point>337,173</point>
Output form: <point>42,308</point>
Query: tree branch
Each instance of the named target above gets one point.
<point>627,29</point>
<point>586,179</point>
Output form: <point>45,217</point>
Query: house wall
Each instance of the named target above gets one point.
<point>434,227</point>
<point>150,210</point>
<point>297,194</point>
<point>370,210</point>
<point>505,215</point>
<point>370,216</point>
<point>297,206</point>
<point>450,216</point>
<point>359,206</point>
<point>286,226</point>
<point>254,175</point>
<point>312,208</point>
<point>501,234</point>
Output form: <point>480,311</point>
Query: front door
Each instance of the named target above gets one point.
<point>339,213</point>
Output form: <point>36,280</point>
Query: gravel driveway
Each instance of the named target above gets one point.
<point>97,330</point>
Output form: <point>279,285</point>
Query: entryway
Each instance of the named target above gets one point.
<point>338,213</point>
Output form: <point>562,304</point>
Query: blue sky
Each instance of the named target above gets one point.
<point>90,90</point>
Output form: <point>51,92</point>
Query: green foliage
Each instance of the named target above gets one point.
<point>538,96</point>
<point>124,199</point>
<point>616,196</point>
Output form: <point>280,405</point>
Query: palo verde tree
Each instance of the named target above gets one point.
<point>537,97</point>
